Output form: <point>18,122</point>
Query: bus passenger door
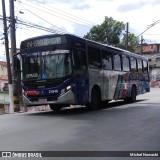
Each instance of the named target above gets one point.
<point>107,74</point>
<point>81,75</point>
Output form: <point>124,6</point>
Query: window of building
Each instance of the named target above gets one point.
<point>5,88</point>
<point>94,57</point>
<point>107,60</point>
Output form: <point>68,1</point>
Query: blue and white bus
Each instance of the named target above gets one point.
<point>61,70</point>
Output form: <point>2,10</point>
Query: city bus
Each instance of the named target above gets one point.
<point>63,69</point>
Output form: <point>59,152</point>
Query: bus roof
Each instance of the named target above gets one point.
<point>92,42</point>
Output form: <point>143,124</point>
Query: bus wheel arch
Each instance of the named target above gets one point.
<point>95,98</point>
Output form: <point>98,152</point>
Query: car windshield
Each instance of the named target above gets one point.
<point>46,65</point>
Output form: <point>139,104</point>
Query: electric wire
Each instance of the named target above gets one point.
<point>33,25</point>
<point>64,13</point>
<point>56,15</point>
<point>64,31</point>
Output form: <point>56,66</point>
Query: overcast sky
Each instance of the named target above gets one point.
<point>78,16</point>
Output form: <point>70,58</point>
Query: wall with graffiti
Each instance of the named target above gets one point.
<point>155,77</point>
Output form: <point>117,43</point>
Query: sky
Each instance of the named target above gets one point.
<point>79,16</point>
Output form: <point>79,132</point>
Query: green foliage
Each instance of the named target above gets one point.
<point>132,42</point>
<point>110,32</point>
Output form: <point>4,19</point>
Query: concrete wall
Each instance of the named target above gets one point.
<point>4,98</point>
<point>155,77</point>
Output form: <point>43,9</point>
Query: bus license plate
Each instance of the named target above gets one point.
<point>42,100</point>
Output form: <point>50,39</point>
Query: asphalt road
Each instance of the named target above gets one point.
<point>120,127</point>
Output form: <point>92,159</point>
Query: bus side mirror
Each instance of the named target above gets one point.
<point>16,64</point>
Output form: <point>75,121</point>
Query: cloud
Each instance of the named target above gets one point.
<point>131,6</point>
<point>156,2</point>
<point>75,4</point>
<point>44,1</point>
<point>81,5</point>
<point>80,31</point>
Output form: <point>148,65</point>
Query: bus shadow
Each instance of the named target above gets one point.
<point>81,109</point>
<point>120,103</point>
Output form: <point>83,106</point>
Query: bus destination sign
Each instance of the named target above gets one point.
<point>43,42</point>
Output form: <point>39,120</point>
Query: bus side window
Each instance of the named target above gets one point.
<point>139,65</point>
<point>133,63</point>
<point>126,66</point>
<point>117,62</point>
<point>94,57</point>
<point>107,60</point>
<point>145,66</point>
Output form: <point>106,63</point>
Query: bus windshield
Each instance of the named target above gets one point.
<point>46,65</point>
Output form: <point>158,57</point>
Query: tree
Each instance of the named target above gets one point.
<point>111,32</point>
<point>108,32</point>
<point>132,42</point>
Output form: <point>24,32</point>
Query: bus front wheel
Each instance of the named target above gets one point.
<point>55,108</point>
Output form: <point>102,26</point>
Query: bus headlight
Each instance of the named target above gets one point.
<point>68,88</point>
<point>63,91</point>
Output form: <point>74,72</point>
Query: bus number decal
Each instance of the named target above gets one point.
<point>53,91</point>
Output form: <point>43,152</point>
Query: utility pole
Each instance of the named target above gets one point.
<point>11,109</point>
<point>13,51</point>
<point>141,44</point>
<point>127,32</point>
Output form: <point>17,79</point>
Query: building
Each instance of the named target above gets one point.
<point>3,76</point>
<point>4,94</point>
<point>152,51</point>
<point>148,49</point>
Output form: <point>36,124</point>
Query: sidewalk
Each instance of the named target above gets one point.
<point>5,109</point>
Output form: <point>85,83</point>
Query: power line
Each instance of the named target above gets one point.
<point>36,26</point>
<point>33,25</point>
<point>65,14</point>
<point>64,31</point>
<point>57,16</point>
<point>31,29</point>
<point>151,34</point>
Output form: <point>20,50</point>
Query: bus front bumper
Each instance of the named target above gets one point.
<point>66,98</point>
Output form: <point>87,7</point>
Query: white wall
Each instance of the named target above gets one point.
<point>4,98</point>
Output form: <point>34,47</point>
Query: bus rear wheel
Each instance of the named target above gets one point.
<point>132,99</point>
<point>95,100</point>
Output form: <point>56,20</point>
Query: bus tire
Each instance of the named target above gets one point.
<point>133,94</point>
<point>132,99</point>
<point>56,108</point>
<point>95,99</point>
<point>104,104</point>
